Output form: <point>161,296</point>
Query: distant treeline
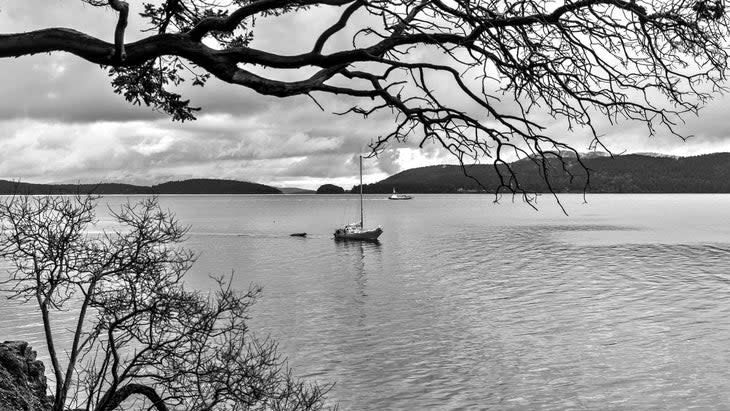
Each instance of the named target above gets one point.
<point>633,173</point>
<point>195,186</point>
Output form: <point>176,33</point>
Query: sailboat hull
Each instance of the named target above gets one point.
<point>358,235</point>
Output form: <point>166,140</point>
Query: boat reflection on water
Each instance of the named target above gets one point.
<point>359,258</point>
<point>360,254</point>
<point>359,245</point>
<point>358,250</point>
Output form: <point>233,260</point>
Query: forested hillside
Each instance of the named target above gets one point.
<point>633,173</point>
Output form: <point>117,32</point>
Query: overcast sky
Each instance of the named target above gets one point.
<point>61,122</point>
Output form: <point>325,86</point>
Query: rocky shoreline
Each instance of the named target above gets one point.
<point>23,384</point>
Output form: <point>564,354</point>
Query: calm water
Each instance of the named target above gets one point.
<point>623,304</point>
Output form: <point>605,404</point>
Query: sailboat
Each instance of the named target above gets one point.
<point>357,231</point>
<point>396,196</point>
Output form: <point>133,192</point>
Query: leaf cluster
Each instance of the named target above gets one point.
<point>149,83</point>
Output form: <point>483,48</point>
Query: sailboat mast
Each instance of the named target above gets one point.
<point>362,220</point>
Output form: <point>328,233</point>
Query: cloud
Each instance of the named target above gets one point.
<point>148,152</point>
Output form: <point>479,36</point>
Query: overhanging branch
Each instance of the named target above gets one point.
<point>573,61</point>
<point>122,7</point>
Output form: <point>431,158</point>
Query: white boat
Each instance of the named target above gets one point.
<point>356,231</point>
<point>396,196</point>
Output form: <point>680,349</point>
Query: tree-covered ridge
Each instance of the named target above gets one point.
<point>633,173</point>
<point>194,186</point>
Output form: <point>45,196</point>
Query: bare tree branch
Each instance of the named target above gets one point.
<point>140,335</point>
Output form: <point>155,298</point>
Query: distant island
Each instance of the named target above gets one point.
<point>330,189</point>
<point>193,186</point>
<point>632,173</point>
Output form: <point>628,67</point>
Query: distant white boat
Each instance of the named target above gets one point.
<point>396,196</point>
<point>356,231</point>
